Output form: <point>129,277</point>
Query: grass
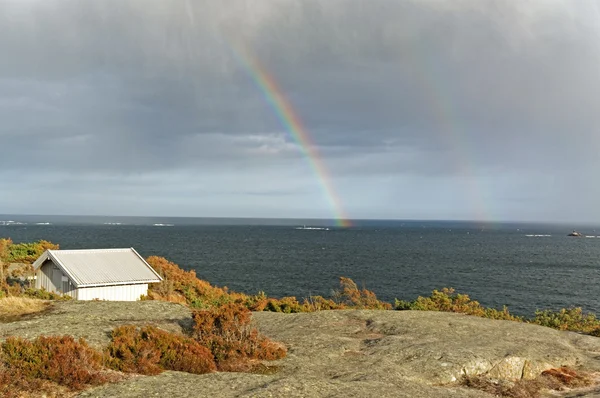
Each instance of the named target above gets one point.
<point>12,308</point>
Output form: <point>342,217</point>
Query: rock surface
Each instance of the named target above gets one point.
<point>338,353</point>
<point>94,320</point>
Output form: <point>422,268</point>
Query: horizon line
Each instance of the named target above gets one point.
<point>310,218</point>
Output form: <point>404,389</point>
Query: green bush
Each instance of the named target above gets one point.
<point>572,319</point>
<point>25,252</point>
<point>448,300</point>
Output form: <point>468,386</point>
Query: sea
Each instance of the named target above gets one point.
<point>526,267</point>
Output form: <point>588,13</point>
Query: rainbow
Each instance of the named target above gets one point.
<point>291,121</point>
<point>449,129</point>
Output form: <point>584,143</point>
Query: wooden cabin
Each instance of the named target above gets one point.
<point>95,274</point>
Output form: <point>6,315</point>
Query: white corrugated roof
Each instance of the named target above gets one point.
<point>99,267</point>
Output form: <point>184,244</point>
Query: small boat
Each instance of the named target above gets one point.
<point>575,233</point>
<point>314,228</point>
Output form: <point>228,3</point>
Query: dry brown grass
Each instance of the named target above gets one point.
<point>12,308</point>
<point>557,379</point>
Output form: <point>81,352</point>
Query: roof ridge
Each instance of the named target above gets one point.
<point>92,250</point>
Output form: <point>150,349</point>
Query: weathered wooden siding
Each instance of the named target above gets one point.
<point>52,279</point>
<point>112,293</point>
<point>43,277</point>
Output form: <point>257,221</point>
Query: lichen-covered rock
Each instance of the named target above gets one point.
<point>94,320</point>
<point>427,347</point>
<point>339,353</point>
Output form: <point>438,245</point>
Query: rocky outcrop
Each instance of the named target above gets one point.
<point>339,353</point>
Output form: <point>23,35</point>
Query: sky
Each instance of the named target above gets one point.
<point>425,109</point>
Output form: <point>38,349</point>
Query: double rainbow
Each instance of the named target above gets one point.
<point>276,99</point>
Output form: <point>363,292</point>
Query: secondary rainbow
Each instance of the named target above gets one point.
<point>450,129</point>
<point>290,119</point>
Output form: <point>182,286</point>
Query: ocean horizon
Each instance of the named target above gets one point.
<point>276,221</point>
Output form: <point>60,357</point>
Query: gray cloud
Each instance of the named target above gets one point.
<point>409,104</point>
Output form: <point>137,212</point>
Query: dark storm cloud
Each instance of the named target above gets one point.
<point>389,91</point>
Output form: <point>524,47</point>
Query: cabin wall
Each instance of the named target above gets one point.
<point>112,293</point>
<point>51,278</point>
<point>43,277</point>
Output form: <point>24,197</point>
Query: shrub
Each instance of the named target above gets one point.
<point>183,286</point>
<point>25,252</point>
<point>351,296</point>
<point>43,294</point>
<point>14,385</point>
<point>319,303</point>
<point>226,331</point>
<point>286,305</point>
<point>572,319</point>
<point>62,360</point>
<point>258,302</point>
<point>149,351</point>
<point>261,302</point>
<point>449,301</point>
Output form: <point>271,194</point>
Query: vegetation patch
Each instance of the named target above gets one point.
<point>351,296</point>
<point>12,308</point>
<point>47,362</point>
<point>573,319</point>
<point>14,282</point>
<point>557,379</point>
<point>181,286</point>
<point>184,287</point>
<point>43,294</point>
<point>227,333</point>
<point>149,351</point>
<point>222,339</point>
<point>448,300</point>
<point>25,253</point>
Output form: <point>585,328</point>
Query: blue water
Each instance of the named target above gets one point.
<point>496,264</point>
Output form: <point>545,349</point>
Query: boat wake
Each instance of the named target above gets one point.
<point>537,236</point>
<point>314,228</point>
